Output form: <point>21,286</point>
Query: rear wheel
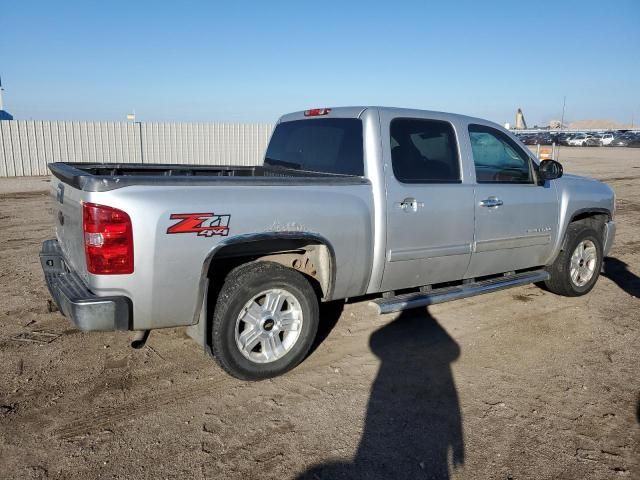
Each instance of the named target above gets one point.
<point>577,267</point>
<point>265,321</point>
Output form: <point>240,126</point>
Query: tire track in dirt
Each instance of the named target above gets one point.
<point>619,179</point>
<point>24,195</point>
<point>334,354</point>
<point>139,407</point>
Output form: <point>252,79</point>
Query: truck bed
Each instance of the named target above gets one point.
<point>100,177</point>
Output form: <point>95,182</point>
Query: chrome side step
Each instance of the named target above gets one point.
<point>446,294</point>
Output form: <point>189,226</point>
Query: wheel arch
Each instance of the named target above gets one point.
<point>597,217</point>
<point>583,213</point>
<point>309,253</point>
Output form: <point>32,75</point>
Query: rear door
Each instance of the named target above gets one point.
<point>516,219</point>
<point>429,203</point>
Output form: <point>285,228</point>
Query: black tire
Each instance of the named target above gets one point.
<point>560,281</point>
<point>243,284</point>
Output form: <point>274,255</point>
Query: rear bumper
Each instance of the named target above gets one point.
<point>609,237</point>
<point>76,302</point>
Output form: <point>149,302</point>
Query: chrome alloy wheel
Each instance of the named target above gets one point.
<point>268,326</point>
<point>583,263</point>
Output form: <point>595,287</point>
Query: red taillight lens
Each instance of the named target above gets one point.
<point>108,240</point>
<point>315,112</point>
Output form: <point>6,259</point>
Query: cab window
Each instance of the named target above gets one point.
<point>328,145</point>
<point>424,151</point>
<point>497,158</point>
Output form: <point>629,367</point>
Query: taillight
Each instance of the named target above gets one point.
<point>315,112</point>
<point>108,240</point>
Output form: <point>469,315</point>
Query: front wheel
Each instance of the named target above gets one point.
<point>577,267</point>
<point>265,321</point>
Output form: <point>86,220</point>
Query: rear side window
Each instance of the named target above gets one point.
<point>424,151</point>
<point>329,145</point>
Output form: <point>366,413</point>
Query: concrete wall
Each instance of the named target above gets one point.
<point>26,146</point>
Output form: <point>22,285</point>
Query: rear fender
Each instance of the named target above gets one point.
<point>251,242</point>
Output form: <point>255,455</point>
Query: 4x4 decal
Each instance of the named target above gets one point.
<point>203,224</point>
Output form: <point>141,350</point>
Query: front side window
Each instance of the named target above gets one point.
<point>497,158</point>
<point>424,151</point>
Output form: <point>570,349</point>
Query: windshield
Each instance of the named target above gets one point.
<point>328,145</point>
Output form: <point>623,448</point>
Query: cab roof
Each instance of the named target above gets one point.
<point>356,112</point>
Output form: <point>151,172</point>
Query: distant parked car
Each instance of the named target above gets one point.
<point>625,139</point>
<point>607,138</point>
<point>619,141</point>
<point>531,140</point>
<point>541,138</point>
<point>578,140</point>
<point>634,143</point>
<point>592,142</point>
<point>563,138</point>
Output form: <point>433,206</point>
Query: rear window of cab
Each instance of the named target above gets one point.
<point>328,145</point>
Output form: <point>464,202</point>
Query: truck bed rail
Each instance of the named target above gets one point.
<point>101,177</point>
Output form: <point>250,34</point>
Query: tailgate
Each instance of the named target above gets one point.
<point>67,213</point>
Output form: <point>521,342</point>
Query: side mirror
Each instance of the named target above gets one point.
<point>550,170</point>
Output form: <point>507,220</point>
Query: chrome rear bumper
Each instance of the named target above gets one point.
<point>76,302</point>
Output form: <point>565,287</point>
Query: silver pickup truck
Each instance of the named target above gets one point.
<point>419,207</point>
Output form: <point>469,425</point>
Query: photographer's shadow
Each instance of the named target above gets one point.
<point>618,271</point>
<point>413,425</point>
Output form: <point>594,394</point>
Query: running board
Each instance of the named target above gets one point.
<point>446,294</point>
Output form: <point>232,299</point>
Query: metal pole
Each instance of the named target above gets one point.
<point>538,151</point>
<point>141,144</point>
<point>564,103</point>
<point>553,151</point>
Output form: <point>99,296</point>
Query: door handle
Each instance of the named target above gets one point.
<point>491,202</point>
<point>410,204</point>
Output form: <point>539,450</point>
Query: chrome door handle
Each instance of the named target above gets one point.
<point>410,205</point>
<point>491,202</point>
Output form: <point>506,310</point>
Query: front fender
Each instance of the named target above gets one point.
<point>580,196</point>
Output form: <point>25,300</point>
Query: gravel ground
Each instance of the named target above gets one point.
<point>511,385</point>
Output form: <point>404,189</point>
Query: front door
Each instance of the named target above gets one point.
<point>516,218</point>
<point>429,207</point>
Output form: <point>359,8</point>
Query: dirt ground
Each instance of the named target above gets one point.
<point>512,385</point>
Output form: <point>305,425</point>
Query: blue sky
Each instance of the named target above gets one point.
<point>252,61</point>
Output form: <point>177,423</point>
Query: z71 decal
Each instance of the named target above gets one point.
<point>203,224</point>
